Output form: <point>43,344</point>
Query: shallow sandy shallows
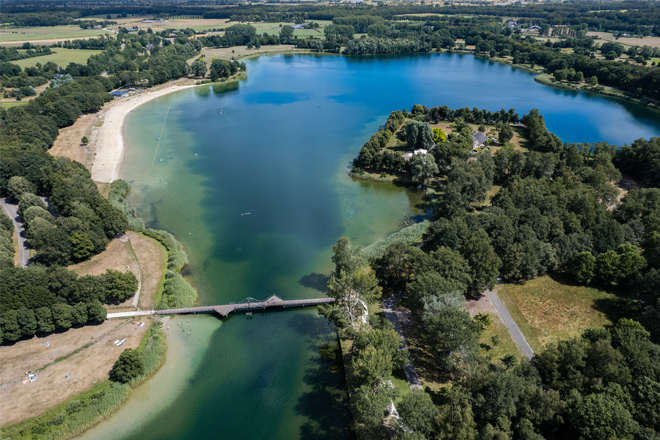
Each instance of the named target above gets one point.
<point>108,143</point>
<point>20,401</point>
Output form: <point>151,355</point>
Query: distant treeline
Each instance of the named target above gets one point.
<point>13,54</point>
<point>628,16</point>
<point>142,61</point>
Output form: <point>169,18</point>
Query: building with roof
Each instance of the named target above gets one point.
<point>478,139</point>
<point>118,93</point>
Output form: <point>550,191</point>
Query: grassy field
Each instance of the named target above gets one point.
<point>608,36</point>
<point>7,104</point>
<point>238,52</point>
<point>274,28</point>
<point>22,34</point>
<point>143,256</point>
<point>548,309</point>
<point>61,57</point>
<point>506,344</point>
<point>201,24</point>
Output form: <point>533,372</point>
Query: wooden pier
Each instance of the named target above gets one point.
<point>247,305</point>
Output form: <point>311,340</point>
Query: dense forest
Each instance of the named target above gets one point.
<point>65,217</point>
<point>556,212</point>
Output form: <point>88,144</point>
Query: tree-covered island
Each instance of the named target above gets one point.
<point>511,213</point>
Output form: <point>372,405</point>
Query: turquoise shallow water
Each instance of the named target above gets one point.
<point>277,146</point>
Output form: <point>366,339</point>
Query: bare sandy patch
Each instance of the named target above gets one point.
<point>141,255</point>
<point>481,305</point>
<point>37,89</point>
<point>19,401</point>
<point>68,143</point>
<point>626,184</point>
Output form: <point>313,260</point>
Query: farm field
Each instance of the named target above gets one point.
<point>201,24</point>
<point>43,33</point>
<point>608,36</point>
<point>227,53</point>
<point>62,57</point>
<point>274,28</point>
<point>549,309</point>
<point>197,24</point>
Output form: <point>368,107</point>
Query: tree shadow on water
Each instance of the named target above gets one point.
<point>316,281</point>
<point>325,404</point>
<point>312,326</point>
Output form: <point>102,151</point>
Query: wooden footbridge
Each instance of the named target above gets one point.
<point>247,305</point>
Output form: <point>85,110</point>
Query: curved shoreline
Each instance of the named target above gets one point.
<point>110,145</point>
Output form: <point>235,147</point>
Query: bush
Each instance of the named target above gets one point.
<point>128,367</point>
<point>177,293</point>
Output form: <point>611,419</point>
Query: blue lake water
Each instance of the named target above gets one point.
<point>277,146</point>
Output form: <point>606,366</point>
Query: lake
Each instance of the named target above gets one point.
<point>252,178</point>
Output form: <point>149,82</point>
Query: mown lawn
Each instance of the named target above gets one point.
<point>549,309</point>
<point>506,344</point>
<point>61,57</point>
<point>8,35</point>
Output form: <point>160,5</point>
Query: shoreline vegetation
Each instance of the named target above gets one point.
<point>82,412</point>
<point>548,80</point>
<point>574,288</point>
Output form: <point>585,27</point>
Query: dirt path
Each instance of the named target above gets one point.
<point>396,317</point>
<point>135,253</point>
<point>92,363</point>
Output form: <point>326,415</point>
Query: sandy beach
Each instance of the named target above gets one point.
<point>108,142</point>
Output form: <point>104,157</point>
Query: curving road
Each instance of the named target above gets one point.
<point>510,324</point>
<point>11,210</point>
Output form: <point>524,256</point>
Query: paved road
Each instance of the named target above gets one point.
<point>129,314</point>
<point>12,211</point>
<point>510,324</point>
<point>395,317</point>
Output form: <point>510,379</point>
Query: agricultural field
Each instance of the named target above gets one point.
<point>238,52</point>
<point>274,28</point>
<point>45,34</point>
<point>197,24</point>
<point>62,57</point>
<point>608,36</point>
<point>549,309</point>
